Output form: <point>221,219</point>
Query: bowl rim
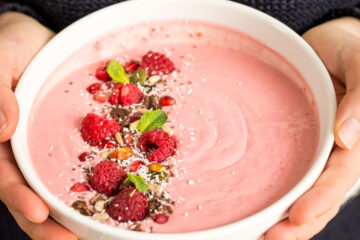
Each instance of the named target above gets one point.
<point>310,177</point>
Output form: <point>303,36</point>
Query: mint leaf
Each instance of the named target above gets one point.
<point>117,72</point>
<point>139,182</point>
<point>139,76</point>
<point>152,120</point>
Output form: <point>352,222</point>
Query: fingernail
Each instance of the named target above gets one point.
<point>3,123</point>
<point>349,132</point>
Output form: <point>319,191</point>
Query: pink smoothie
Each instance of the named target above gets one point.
<point>246,123</point>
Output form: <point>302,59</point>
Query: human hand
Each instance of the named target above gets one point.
<point>338,44</point>
<point>21,37</point>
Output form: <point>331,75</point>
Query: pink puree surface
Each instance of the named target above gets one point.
<point>247,133</point>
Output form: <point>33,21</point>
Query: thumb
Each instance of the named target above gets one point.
<point>9,112</point>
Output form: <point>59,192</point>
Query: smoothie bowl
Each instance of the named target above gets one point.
<point>195,120</point>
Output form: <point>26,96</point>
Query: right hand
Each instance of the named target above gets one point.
<point>21,37</point>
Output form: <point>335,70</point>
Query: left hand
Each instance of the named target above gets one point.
<point>338,44</point>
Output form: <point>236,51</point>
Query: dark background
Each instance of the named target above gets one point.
<point>344,227</point>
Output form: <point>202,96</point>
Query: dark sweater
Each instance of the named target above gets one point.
<point>298,14</point>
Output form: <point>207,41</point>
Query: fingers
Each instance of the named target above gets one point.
<point>21,37</point>
<point>48,230</point>
<point>14,191</point>
<point>9,112</point>
<point>285,230</point>
<point>338,45</point>
<point>340,174</point>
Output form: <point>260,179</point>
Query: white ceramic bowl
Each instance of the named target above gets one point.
<point>259,25</point>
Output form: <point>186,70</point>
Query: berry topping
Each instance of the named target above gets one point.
<point>108,144</point>
<point>96,128</point>
<point>131,66</point>
<point>115,96</point>
<point>157,64</point>
<point>107,177</point>
<point>167,101</point>
<point>128,205</point>
<point>102,74</point>
<point>161,218</point>
<point>93,88</point>
<point>85,156</point>
<point>80,187</point>
<point>136,165</point>
<point>130,94</point>
<point>159,140</point>
<point>100,96</point>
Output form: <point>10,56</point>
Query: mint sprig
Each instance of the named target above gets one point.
<point>138,181</point>
<point>117,72</point>
<point>152,120</point>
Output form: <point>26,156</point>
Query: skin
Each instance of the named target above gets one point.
<point>337,43</point>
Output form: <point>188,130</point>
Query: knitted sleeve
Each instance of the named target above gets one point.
<point>300,15</point>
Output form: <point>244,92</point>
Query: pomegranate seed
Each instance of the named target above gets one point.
<point>100,96</point>
<point>135,165</point>
<point>108,144</point>
<point>161,218</point>
<point>93,88</point>
<point>80,187</point>
<point>85,156</point>
<point>131,66</point>
<point>102,74</point>
<point>167,101</point>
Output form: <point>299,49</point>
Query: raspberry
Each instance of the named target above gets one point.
<point>102,74</point>
<point>115,95</point>
<point>128,205</point>
<point>130,94</point>
<point>157,64</point>
<point>95,128</point>
<point>159,140</point>
<point>80,187</point>
<point>107,177</point>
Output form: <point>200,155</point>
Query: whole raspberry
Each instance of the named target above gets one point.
<point>157,64</point>
<point>128,205</point>
<point>159,140</point>
<point>107,177</point>
<point>95,128</point>
<point>130,94</point>
<point>115,95</point>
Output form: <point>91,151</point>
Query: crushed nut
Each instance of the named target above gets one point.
<point>134,125</point>
<point>100,205</point>
<point>143,110</point>
<point>156,167</point>
<point>96,198</point>
<point>168,129</point>
<point>119,138</point>
<point>101,217</point>
<point>105,155</point>
<point>154,79</point>
<point>82,208</point>
<point>156,188</point>
<point>122,153</point>
<point>152,102</point>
